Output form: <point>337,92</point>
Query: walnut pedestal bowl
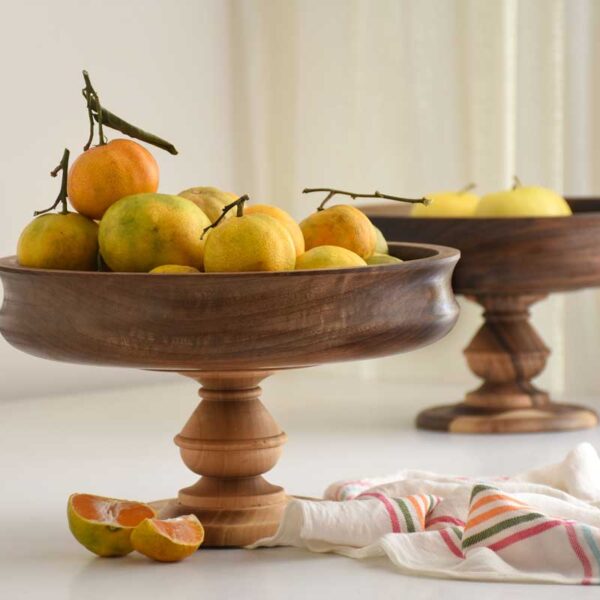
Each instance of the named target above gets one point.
<point>228,332</point>
<point>508,264</point>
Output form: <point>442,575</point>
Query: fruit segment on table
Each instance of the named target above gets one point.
<point>168,540</point>
<point>109,527</point>
<point>104,525</point>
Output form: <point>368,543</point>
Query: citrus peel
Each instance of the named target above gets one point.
<point>168,540</point>
<point>104,525</point>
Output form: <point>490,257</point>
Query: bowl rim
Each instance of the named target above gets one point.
<point>442,255</point>
<point>594,214</point>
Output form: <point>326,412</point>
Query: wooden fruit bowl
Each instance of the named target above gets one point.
<point>229,332</point>
<point>506,265</point>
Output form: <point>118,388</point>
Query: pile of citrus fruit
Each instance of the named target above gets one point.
<point>121,223</point>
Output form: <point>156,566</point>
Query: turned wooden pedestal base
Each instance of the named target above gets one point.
<point>231,440</point>
<point>506,353</point>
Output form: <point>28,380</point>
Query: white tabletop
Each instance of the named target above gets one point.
<point>119,443</point>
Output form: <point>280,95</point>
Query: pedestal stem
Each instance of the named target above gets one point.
<point>507,353</point>
<point>231,440</point>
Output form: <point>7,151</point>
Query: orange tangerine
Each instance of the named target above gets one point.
<point>341,225</point>
<point>104,174</point>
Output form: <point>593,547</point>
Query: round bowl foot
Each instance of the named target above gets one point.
<point>229,528</point>
<point>461,418</point>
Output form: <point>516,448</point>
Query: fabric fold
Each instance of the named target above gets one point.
<point>539,526</point>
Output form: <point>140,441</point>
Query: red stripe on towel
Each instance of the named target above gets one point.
<point>388,506</point>
<point>522,535</point>
<point>445,519</point>
<point>451,545</point>
<point>581,555</point>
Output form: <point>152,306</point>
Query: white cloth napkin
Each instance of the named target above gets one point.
<point>539,526</point>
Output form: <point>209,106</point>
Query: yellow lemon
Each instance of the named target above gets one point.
<point>168,540</point>
<point>59,241</point>
<point>447,204</point>
<point>284,218</point>
<point>144,231</point>
<point>249,243</point>
<point>104,525</point>
<point>329,257</point>
<point>166,269</point>
<point>341,225</point>
<point>210,200</point>
<point>531,201</point>
<point>382,259</point>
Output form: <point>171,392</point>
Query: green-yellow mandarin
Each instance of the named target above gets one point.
<point>59,241</point>
<point>210,200</point>
<point>329,257</point>
<point>255,242</point>
<point>382,259</point>
<point>381,245</point>
<point>167,269</point>
<point>144,231</point>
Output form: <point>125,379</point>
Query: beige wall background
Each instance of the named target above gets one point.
<point>270,96</point>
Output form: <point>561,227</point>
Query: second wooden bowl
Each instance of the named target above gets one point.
<point>506,265</point>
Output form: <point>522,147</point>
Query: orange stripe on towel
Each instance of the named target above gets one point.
<point>491,513</point>
<point>492,498</point>
<point>418,509</point>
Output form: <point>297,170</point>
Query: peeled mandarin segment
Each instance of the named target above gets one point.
<point>104,525</point>
<point>168,540</point>
<point>131,514</point>
<point>341,225</point>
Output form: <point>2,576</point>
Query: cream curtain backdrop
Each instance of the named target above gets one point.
<point>412,96</point>
<point>270,96</point>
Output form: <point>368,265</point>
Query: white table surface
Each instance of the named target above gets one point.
<point>119,443</point>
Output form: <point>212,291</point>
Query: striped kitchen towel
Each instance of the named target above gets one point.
<point>538,526</point>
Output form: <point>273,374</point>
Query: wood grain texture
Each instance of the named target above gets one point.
<point>519,255</point>
<point>228,332</point>
<point>241,321</point>
<point>507,264</point>
<point>231,440</point>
